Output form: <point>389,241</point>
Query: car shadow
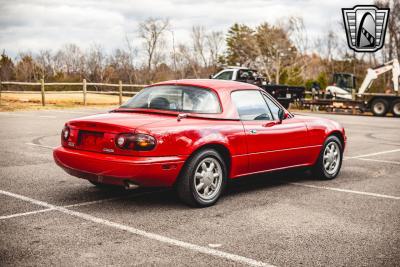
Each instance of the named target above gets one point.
<point>167,198</point>
<point>267,180</point>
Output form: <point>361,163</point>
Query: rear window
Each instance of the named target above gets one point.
<point>176,98</point>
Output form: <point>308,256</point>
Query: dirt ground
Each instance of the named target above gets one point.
<point>32,101</point>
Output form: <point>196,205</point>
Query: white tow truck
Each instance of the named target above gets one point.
<point>285,94</point>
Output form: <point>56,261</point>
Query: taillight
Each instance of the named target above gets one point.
<point>140,142</point>
<point>65,132</point>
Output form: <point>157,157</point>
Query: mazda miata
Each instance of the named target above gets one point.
<point>195,135</point>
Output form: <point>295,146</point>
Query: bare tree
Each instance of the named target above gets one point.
<point>72,59</point>
<point>174,53</point>
<point>331,44</point>
<point>129,65</point>
<point>151,31</point>
<point>297,32</point>
<point>392,45</point>
<point>327,44</point>
<point>45,61</point>
<point>295,28</point>
<point>186,60</point>
<point>199,43</point>
<point>95,63</point>
<point>214,41</point>
<point>275,51</point>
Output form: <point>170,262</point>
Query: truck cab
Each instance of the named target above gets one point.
<point>240,74</point>
<point>283,93</point>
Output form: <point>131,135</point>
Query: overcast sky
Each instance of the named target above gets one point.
<point>32,25</point>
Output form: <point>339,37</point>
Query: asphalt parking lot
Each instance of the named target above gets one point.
<point>284,219</point>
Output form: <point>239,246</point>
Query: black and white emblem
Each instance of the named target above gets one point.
<point>365,27</point>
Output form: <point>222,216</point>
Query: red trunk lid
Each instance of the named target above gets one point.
<point>97,133</point>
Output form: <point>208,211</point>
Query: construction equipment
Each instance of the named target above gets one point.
<point>343,91</point>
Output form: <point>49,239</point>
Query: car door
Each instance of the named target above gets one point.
<point>271,144</point>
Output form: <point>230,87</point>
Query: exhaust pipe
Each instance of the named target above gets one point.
<point>130,185</point>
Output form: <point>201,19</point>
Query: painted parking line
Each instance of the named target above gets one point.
<point>39,145</point>
<point>115,198</point>
<point>47,116</point>
<point>378,160</point>
<point>24,214</point>
<point>373,154</point>
<point>346,191</point>
<point>149,235</point>
<point>79,204</point>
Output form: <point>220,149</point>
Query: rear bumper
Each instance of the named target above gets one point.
<point>116,169</point>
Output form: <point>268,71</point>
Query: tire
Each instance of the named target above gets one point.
<point>210,183</point>
<point>379,107</point>
<point>332,170</point>
<point>396,108</point>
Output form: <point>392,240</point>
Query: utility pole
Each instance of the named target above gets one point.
<point>278,69</point>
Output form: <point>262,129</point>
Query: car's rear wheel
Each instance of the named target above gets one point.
<point>330,159</point>
<point>203,179</point>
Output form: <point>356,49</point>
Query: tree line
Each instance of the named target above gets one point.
<point>283,52</point>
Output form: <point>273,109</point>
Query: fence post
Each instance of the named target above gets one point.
<point>84,92</point>
<point>120,92</point>
<point>42,91</point>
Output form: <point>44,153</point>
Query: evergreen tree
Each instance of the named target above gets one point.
<point>7,72</point>
<point>241,45</point>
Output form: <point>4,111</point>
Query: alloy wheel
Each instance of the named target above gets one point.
<point>331,158</point>
<point>208,178</point>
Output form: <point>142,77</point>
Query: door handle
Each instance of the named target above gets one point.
<point>269,124</point>
<point>253,131</point>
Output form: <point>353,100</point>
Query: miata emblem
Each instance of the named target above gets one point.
<point>365,27</point>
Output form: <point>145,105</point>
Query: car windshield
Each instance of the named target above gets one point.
<point>176,98</point>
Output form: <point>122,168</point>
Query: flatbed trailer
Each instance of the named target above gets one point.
<point>378,103</point>
<point>285,94</point>
<point>343,87</point>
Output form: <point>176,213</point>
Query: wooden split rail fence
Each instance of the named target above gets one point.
<point>83,84</point>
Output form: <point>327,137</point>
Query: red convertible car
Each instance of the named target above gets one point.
<point>195,135</point>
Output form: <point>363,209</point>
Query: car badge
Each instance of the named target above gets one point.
<point>365,27</point>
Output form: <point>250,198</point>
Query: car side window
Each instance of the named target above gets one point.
<point>251,105</point>
<point>226,75</point>
<point>272,106</point>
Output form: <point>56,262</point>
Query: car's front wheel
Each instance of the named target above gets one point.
<point>203,179</point>
<point>330,159</point>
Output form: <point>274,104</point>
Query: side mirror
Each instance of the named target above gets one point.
<point>281,115</point>
<point>210,77</point>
